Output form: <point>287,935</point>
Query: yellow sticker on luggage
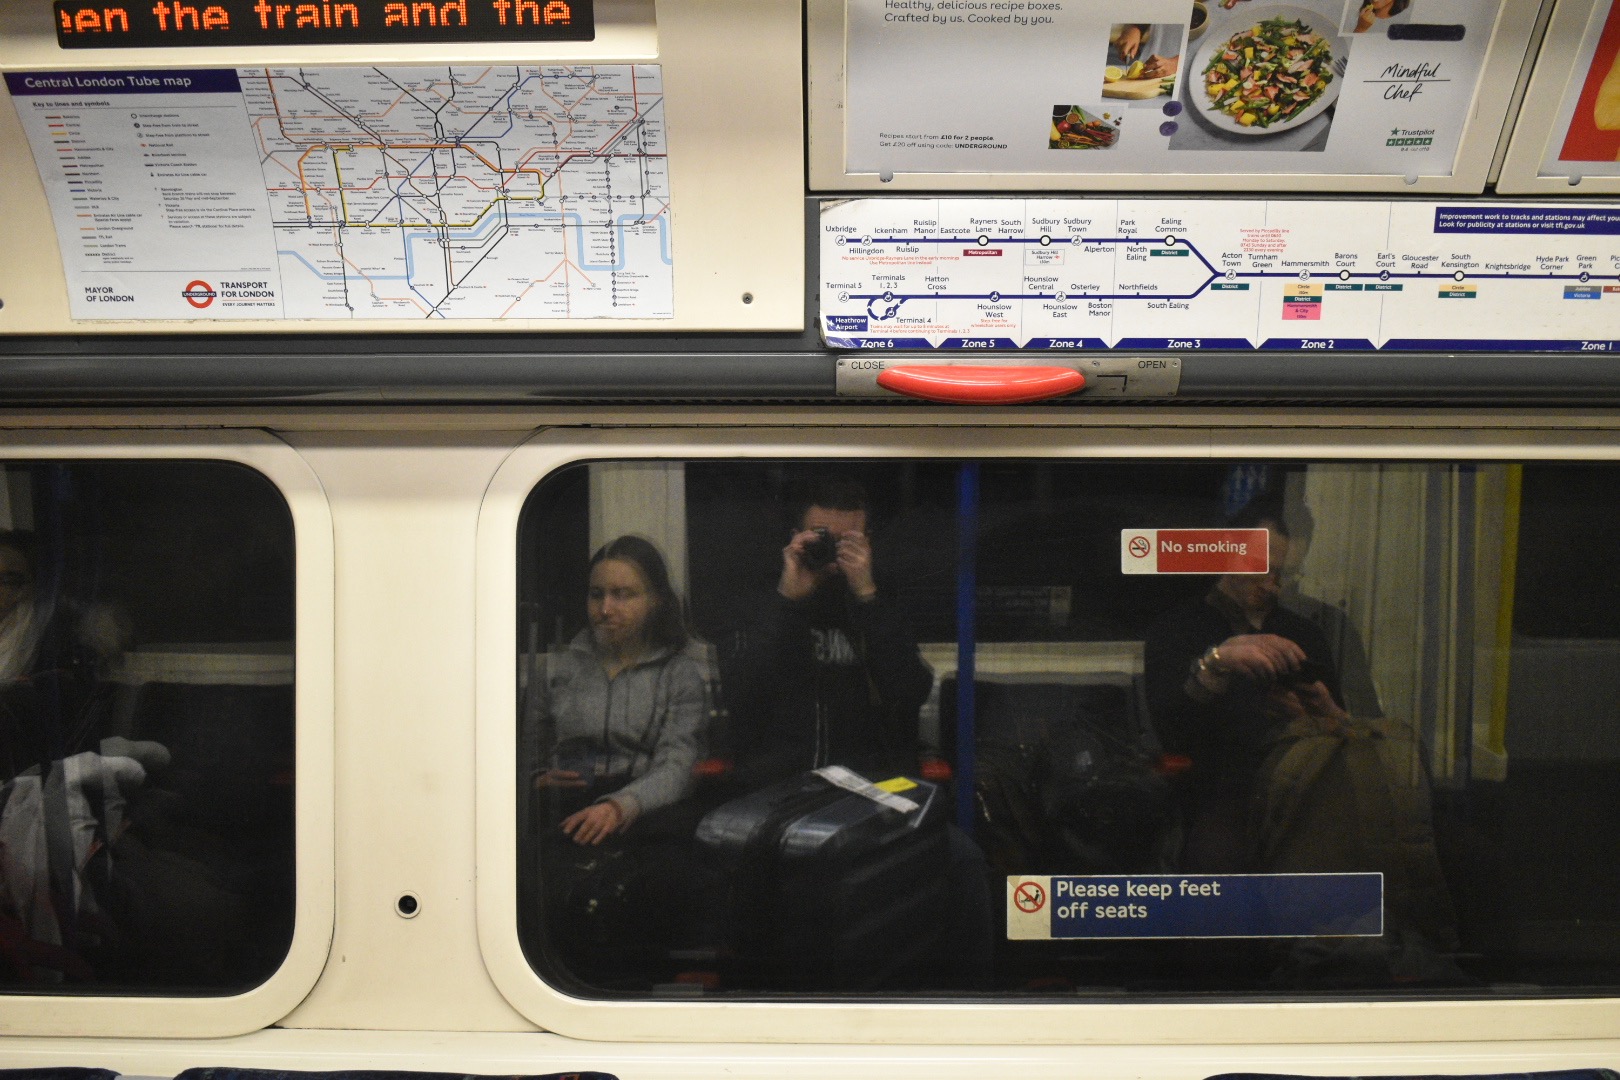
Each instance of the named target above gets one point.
<point>896,784</point>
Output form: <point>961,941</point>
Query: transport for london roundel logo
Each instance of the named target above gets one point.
<point>199,294</point>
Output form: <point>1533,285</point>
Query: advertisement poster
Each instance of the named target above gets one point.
<point>1590,116</point>
<point>1162,86</point>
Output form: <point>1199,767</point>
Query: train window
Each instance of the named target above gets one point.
<point>147,613</point>
<point>904,729</point>
<point>1563,598</point>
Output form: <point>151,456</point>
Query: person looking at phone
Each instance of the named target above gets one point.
<point>622,709</point>
<point>1223,675</point>
<point>828,671</point>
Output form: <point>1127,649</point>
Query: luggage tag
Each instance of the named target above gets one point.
<point>850,781</point>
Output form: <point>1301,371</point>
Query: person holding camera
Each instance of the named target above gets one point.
<point>829,671</point>
<point>1224,674</point>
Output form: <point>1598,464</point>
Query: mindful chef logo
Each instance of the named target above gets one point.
<point>199,294</point>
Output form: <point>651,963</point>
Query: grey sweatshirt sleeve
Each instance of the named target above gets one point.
<point>680,741</point>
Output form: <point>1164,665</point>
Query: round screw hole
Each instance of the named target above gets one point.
<point>748,298</point>
<point>407,906</point>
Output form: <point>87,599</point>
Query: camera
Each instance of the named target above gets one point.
<point>821,552</point>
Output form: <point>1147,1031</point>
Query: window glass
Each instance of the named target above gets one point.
<point>1247,729</point>
<point>146,727</point>
<point>1564,503</point>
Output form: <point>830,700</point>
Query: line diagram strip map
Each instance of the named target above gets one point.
<point>1287,274</point>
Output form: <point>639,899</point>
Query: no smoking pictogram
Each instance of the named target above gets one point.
<point>1139,547</point>
<point>1029,897</point>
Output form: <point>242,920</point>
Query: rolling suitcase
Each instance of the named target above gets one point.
<point>832,889</point>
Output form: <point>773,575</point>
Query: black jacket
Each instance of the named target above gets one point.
<point>826,681</point>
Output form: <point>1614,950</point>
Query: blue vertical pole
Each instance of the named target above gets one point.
<point>967,582</point>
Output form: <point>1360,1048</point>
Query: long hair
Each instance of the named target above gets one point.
<point>667,627</point>
<point>23,624</point>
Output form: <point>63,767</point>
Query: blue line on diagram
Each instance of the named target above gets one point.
<point>1169,244</point>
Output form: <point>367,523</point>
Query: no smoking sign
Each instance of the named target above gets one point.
<point>1194,551</point>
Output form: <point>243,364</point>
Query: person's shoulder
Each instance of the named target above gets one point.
<point>568,661</point>
<point>690,660</point>
<point>685,669</point>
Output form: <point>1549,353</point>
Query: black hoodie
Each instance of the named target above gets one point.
<point>830,680</point>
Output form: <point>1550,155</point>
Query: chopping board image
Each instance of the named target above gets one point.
<point>1138,89</point>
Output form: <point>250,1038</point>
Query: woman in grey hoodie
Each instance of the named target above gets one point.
<point>623,709</point>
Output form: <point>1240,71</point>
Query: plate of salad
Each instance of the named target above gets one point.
<point>1271,70</point>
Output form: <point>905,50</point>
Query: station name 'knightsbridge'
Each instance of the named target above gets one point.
<point>87,24</point>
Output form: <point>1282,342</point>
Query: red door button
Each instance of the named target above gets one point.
<point>981,385</point>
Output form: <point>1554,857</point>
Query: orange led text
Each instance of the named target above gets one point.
<point>94,20</point>
<point>190,16</point>
<point>321,15</point>
<point>550,13</point>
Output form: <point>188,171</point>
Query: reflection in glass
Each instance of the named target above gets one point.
<point>1363,706</point>
<point>146,615</point>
